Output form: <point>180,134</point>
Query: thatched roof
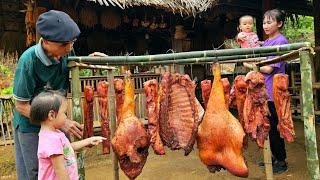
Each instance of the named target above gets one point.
<point>176,6</point>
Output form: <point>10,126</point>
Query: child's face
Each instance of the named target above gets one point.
<point>246,24</point>
<point>61,117</point>
<point>271,26</point>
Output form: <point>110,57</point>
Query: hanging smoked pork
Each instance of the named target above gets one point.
<point>179,118</point>
<point>131,141</point>
<point>152,109</point>
<point>282,103</point>
<point>205,91</point>
<point>220,135</point>
<point>255,110</point>
<point>240,90</point>
<point>226,90</point>
<point>119,88</point>
<point>88,111</point>
<point>102,90</point>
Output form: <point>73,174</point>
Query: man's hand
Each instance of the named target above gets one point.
<point>98,54</point>
<point>73,127</point>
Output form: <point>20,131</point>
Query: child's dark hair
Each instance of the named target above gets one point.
<point>276,14</point>
<point>43,103</point>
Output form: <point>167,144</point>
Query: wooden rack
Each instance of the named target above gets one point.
<point>302,50</point>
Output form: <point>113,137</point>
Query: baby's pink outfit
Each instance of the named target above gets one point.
<point>250,41</point>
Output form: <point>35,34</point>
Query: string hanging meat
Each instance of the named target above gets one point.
<point>220,135</point>
<point>281,98</point>
<point>131,141</point>
<point>102,90</point>
<point>179,118</point>
<point>152,109</point>
<point>256,111</point>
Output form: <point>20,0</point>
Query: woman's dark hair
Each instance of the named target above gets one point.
<point>276,14</point>
<point>43,103</point>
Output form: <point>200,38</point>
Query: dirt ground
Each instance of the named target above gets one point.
<point>174,165</point>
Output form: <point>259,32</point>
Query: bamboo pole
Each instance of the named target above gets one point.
<point>221,59</point>
<point>112,116</point>
<point>308,115</point>
<point>254,52</point>
<point>77,114</point>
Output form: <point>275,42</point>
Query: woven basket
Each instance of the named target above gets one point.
<point>110,19</point>
<point>88,17</point>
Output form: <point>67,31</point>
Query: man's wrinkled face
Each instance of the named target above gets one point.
<point>56,50</point>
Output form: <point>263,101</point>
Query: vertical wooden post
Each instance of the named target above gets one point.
<point>316,20</point>
<point>308,114</point>
<point>266,152</point>
<point>267,159</point>
<point>77,114</point>
<point>112,116</point>
<point>1,121</point>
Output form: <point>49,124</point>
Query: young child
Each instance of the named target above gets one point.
<point>247,38</point>
<point>273,21</point>
<point>55,153</point>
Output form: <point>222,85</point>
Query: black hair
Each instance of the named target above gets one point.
<point>43,103</point>
<point>276,14</point>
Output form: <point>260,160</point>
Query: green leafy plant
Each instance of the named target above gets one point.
<point>300,29</point>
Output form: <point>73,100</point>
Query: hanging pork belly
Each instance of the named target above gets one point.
<point>281,99</point>
<point>152,109</point>
<point>179,118</point>
<point>119,88</point>
<point>88,111</point>
<point>102,90</point>
<point>205,91</point>
<point>255,110</point>
<point>131,141</point>
<point>220,135</point>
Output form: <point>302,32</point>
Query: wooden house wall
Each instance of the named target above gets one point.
<point>12,31</point>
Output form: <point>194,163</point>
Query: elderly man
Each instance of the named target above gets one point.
<point>39,66</point>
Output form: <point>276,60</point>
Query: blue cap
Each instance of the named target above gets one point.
<point>57,26</point>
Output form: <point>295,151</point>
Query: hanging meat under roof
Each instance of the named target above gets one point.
<point>131,141</point>
<point>255,110</point>
<point>220,135</point>
<point>102,91</point>
<point>88,111</point>
<point>179,112</point>
<point>281,99</point>
<point>152,110</point>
